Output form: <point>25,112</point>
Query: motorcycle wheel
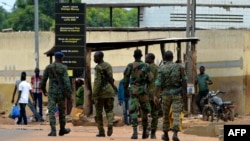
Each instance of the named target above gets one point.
<point>208,114</point>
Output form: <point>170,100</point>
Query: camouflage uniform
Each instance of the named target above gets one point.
<point>103,95</point>
<point>154,108</point>
<point>169,79</point>
<point>138,74</point>
<point>55,95</point>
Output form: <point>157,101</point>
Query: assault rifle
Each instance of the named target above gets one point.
<point>60,85</point>
<point>110,80</point>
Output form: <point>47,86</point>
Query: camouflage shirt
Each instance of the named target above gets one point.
<point>169,78</point>
<point>61,72</point>
<point>102,88</point>
<point>138,74</point>
<point>151,85</point>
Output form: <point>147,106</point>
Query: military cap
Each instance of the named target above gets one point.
<point>138,53</point>
<point>59,54</point>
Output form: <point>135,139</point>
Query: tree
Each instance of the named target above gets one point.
<point>3,16</point>
<point>99,17</point>
<point>22,16</point>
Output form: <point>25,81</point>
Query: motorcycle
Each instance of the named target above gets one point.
<point>216,107</point>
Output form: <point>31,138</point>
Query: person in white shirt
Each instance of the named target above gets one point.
<point>24,89</point>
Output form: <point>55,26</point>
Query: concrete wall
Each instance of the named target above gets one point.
<point>224,53</point>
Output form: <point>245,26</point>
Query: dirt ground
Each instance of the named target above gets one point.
<point>38,131</point>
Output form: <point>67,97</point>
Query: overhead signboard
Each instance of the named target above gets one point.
<point>70,35</point>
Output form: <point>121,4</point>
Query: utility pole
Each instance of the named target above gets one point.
<point>190,57</point>
<point>36,34</point>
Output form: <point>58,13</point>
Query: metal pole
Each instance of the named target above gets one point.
<point>190,49</point>
<point>36,35</point>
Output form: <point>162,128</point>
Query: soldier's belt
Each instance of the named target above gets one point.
<point>172,91</point>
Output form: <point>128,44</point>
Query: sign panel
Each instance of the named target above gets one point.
<point>69,29</point>
<point>70,8</point>
<point>71,51</point>
<point>69,18</point>
<point>70,40</point>
<point>70,35</point>
<point>73,62</point>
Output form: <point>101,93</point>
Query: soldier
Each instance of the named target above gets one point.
<point>138,74</point>
<point>103,93</point>
<point>150,57</point>
<point>59,89</point>
<point>169,82</point>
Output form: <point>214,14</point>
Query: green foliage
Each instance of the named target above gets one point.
<point>100,17</point>
<point>3,16</point>
<point>22,16</point>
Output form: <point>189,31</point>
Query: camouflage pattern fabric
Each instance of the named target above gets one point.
<point>102,88</point>
<point>170,80</point>
<point>151,85</point>
<point>55,95</point>
<point>177,103</point>
<point>139,102</point>
<point>138,74</point>
<point>103,95</point>
<point>154,108</point>
<point>108,104</point>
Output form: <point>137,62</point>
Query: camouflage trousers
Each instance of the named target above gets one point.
<point>53,101</point>
<point>108,105</point>
<point>154,114</point>
<point>177,107</point>
<point>139,103</point>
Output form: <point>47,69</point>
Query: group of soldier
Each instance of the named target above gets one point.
<point>144,83</point>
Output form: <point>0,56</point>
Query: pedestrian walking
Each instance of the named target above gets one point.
<point>103,94</point>
<point>59,89</point>
<point>169,82</point>
<point>138,75</point>
<point>37,91</point>
<point>124,102</point>
<point>24,89</point>
<point>150,57</point>
<point>30,104</point>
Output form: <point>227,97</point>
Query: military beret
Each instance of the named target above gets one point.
<point>138,53</point>
<point>59,54</point>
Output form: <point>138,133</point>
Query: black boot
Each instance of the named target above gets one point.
<point>110,130</point>
<point>100,134</point>
<point>175,136</point>
<point>153,136</point>
<point>135,133</point>
<point>145,133</point>
<point>52,132</point>
<point>64,131</point>
<point>165,136</point>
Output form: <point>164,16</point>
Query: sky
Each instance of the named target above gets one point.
<point>7,4</point>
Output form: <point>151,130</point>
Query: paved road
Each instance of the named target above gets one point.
<point>79,133</point>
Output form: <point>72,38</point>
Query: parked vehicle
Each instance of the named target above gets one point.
<point>215,107</point>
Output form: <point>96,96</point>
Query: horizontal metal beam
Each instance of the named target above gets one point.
<point>127,5</point>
